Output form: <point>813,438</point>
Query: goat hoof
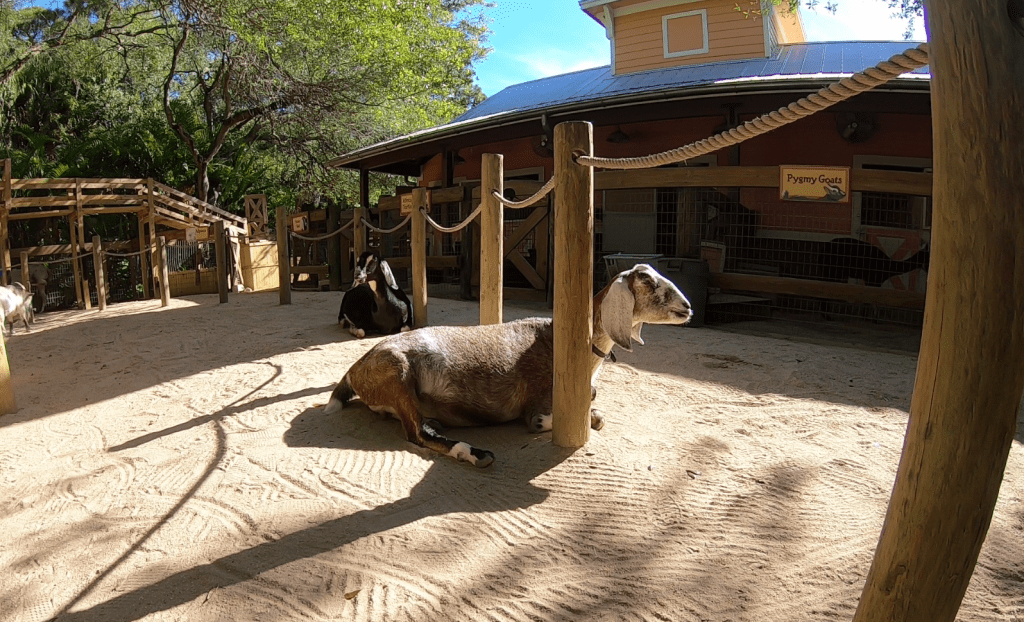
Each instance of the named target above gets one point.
<point>596,419</point>
<point>539,423</point>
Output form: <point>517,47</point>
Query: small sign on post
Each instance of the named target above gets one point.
<point>191,235</point>
<point>408,202</point>
<point>830,184</point>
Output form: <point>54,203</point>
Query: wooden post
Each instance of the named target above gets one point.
<point>7,403</point>
<point>143,269</point>
<point>26,276</point>
<point>334,246</point>
<point>74,261</point>
<point>492,247</point>
<point>86,297</point>
<point>969,373</point>
<point>101,284</point>
<point>4,227</point>
<point>359,229</point>
<point>419,257</point>
<point>161,258</point>
<point>574,260</point>
<point>152,233</point>
<point>220,246</point>
<point>283,264</point>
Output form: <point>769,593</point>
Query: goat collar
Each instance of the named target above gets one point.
<point>605,355</point>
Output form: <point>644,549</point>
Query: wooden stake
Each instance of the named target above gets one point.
<point>143,269</point>
<point>574,259</point>
<point>220,246</point>
<point>161,259</point>
<point>73,230</point>
<point>97,261</point>
<point>492,247</point>
<point>969,373</point>
<point>419,257</point>
<point>26,276</point>
<point>152,233</point>
<point>7,403</point>
<point>283,264</point>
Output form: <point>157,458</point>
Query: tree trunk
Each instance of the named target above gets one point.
<point>970,374</point>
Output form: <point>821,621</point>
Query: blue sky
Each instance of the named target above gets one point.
<point>533,39</point>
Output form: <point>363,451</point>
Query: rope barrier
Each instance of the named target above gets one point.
<point>459,227</point>
<point>836,92</point>
<point>113,254</point>
<point>370,226</point>
<point>324,237</point>
<point>540,194</point>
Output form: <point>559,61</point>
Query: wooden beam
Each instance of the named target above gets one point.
<point>73,230</point>
<point>816,289</point>
<point>142,256</point>
<point>434,262</point>
<point>151,242</point>
<point>897,182</point>
<point>963,415</point>
<point>741,176</point>
<point>101,284</point>
<point>574,261</point>
<point>220,242</point>
<point>524,227</point>
<point>48,214</point>
<point>453,194</point>
<point>162,272</point>
<point>492,178</point>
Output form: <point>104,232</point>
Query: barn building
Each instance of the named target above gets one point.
<point>830,214</point>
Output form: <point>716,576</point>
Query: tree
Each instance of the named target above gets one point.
<point>297,73</point>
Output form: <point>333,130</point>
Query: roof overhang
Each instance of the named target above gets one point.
<point>405,154</point>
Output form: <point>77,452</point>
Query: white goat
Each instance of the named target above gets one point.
<point>479,375</point>
<point>15,304</point>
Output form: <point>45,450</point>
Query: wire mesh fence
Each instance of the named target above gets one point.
<point>878,241</point>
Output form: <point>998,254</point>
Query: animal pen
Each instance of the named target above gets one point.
<point>923,500</point>
<point>88,272</point>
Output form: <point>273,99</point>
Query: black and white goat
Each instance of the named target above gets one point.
<point>15,304</point>
<point>481,375</point>
<point>375,303</point>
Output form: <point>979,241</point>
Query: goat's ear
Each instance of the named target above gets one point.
<point>617,313</point>
<point>635,335</point>
<point>388,276</point>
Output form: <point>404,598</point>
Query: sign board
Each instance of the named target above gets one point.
<point>202,234</point>
<point>830,184</point>
<point>407,204</point>
<point>300,224</point>
<point>191,235</point>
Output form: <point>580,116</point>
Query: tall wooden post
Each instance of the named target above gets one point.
<point>101,283</point>
<point>143,269</point>
<point>284,267</point>
<point>334,246</point>
<point>152,233</point>
<point>359,229</point>
<point>75,268</point>
<point>7,403</point>
<point>26,275</point>
<point>220,243</point>
<point>5,242</point>
<point>161,259</point>
<point>419,257</point>
<point>492,246</point>
<point>574,261</point>
<point>969,373</point>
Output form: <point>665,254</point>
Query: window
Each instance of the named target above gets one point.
<point>685,33</point>
<point>892,210</point>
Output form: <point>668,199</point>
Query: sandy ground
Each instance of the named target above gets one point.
<point>173,464</point>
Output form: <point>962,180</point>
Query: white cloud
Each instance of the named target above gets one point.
<point>553,62</point>
<point>858,21</point>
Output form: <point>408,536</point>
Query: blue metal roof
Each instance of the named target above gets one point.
<point>816,62</point>
<point>802,60</point>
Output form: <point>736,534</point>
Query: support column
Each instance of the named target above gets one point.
<point>101,284</point>
<point>574,261</point>
<point>492,247</point>
<point>283,264</point>
<point>143,269</point>
<point>419,257</point>
<point>161,259</point>
<point>152,234</point>
<point>220,242</point>
<point>969,372</point>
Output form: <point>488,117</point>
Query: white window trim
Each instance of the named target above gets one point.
<point>664,33</point>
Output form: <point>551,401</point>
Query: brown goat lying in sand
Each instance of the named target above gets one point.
<point>480,375</point>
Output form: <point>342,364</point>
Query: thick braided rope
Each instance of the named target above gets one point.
<point>459,227</point>
<point>846,88</point>
<point>324,237</point>
<point>540,194</point>
<point>112,254</point>
<point>369,225</point>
